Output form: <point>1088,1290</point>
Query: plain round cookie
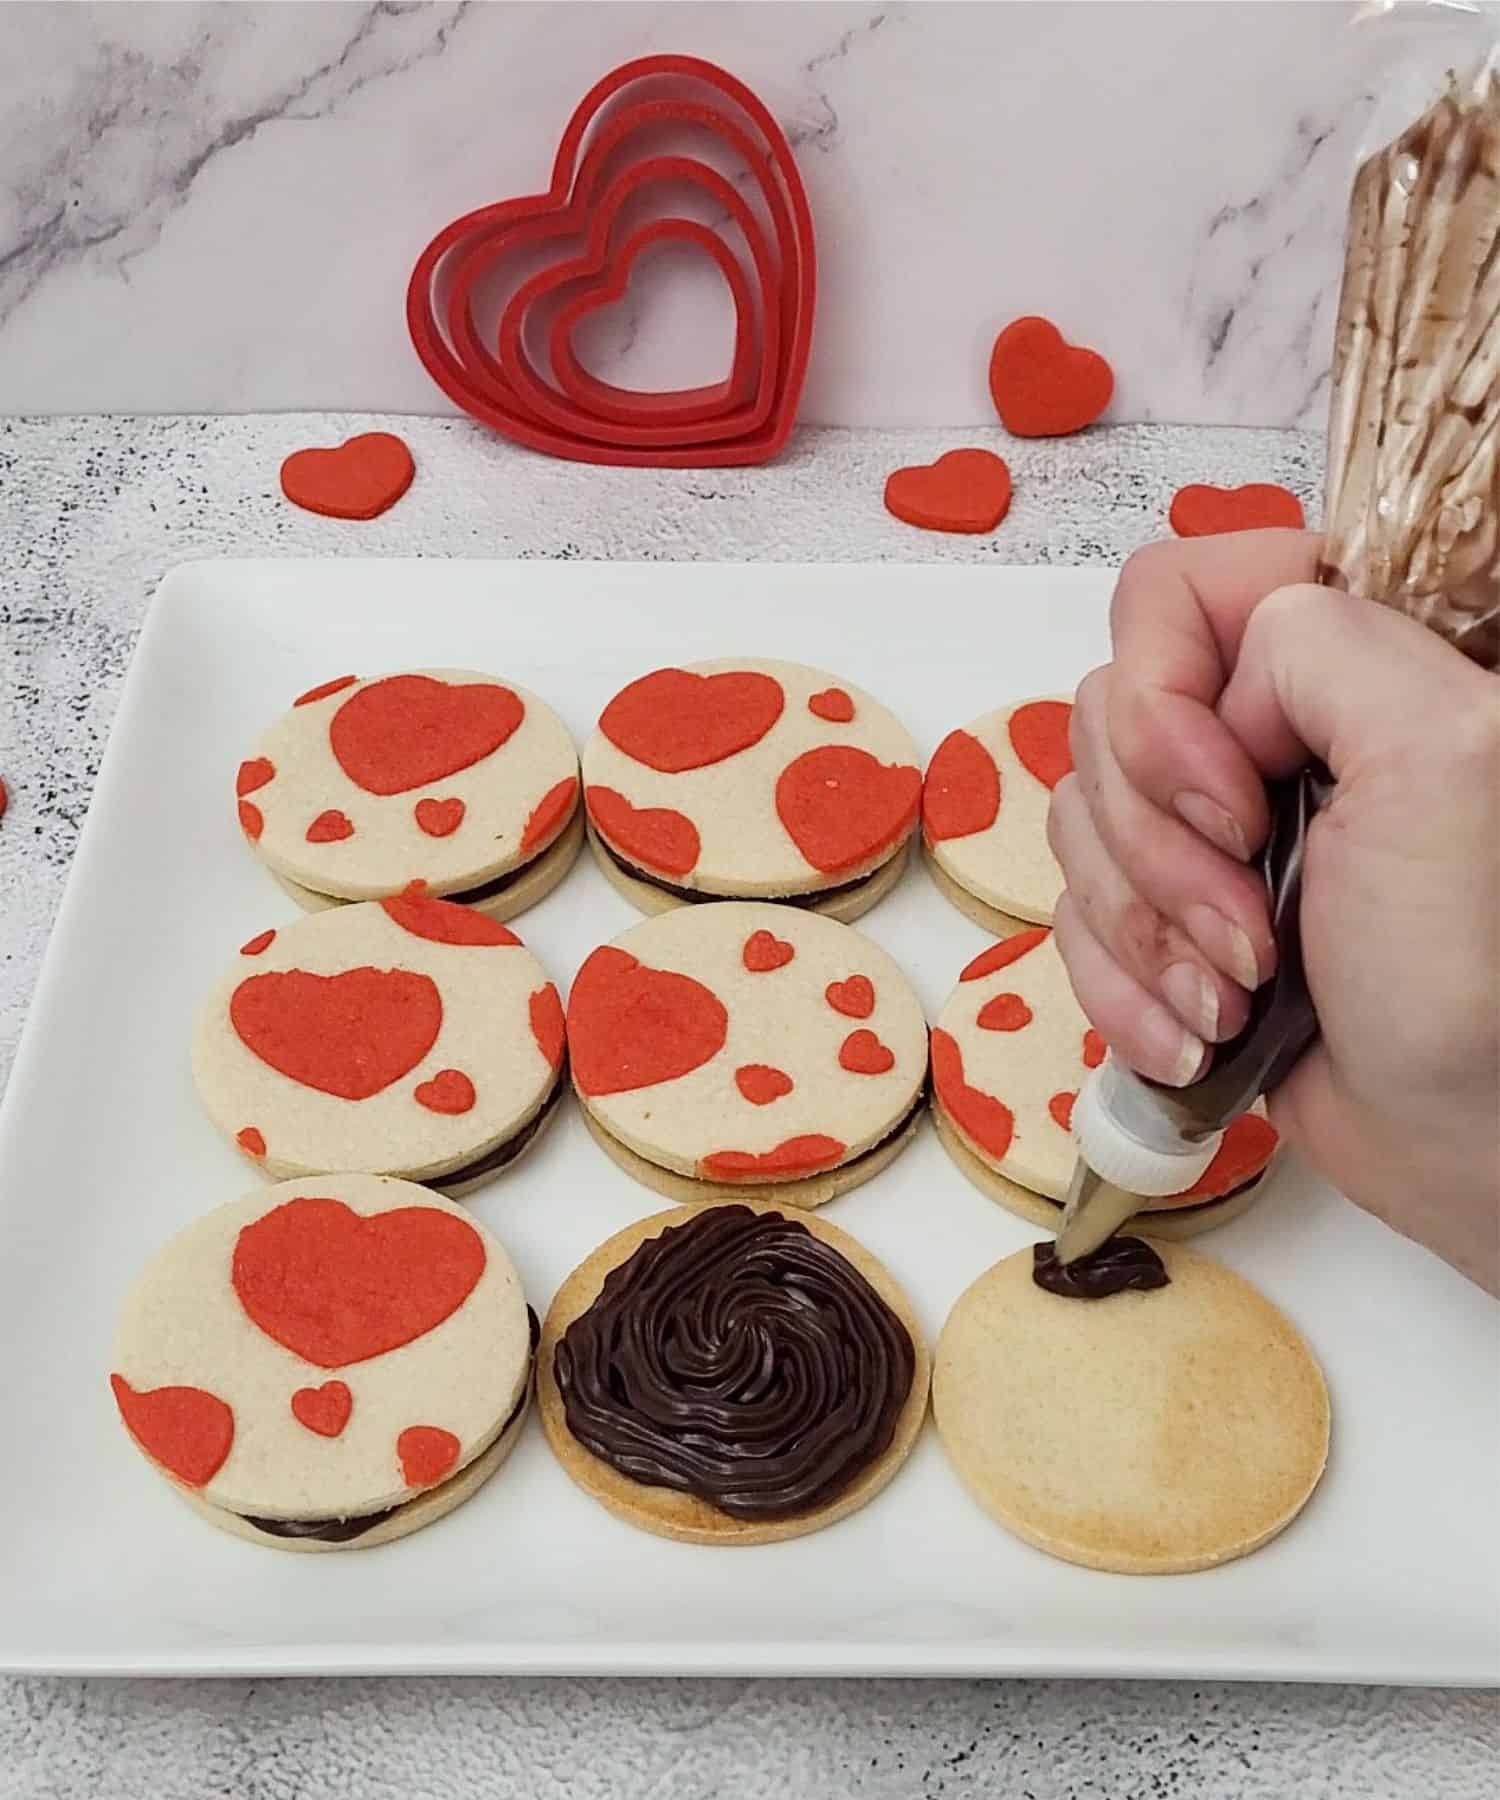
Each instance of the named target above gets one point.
<point>446,776</point>
<point>984,811</point>
<point>749,779</point>
<point>665,1511</point>
<point>1147,1433</point>
<point>747,1045</point>
<point>326,1350</point>
<point>406,1036</point>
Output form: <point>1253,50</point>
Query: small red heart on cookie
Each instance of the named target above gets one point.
<point>325,1409</point>
<point>673,720</point>
<point>359,480</point>
<point>411,731</point>
<point>548,1026</point>
<point>1203,511</point>
<point>630,1026</point>
<point>1006,1012</point>
<point>862,1053</point>
<point>1039,737</point>
<point>966,490</point>
<point>324,689</point>
<point>262,941</point>
<point>961,794</point>
<point>1094,1049</point>
<point>980,1116</point>
<point>186,1429</point>
<point>449,1091</point>
<point>330,827</point>
<point>854,998</point>
<point>764,951</point>
<point>657,837</point>
<point>761,1084</point>
<point>1042,385</point>
<point>1061,1107</point>
<point>548,815</point>
<point>351,1034</point>
<point>253,774</point>
<point>1007,951</point>
<point>841,807</point>
<point>439,818</point>
<point>426,1454</point>
<point>251,1141</point>
<point>336,1287</point>
<point>424,915</point>
<point>832,704</point>
<point>252,823</point>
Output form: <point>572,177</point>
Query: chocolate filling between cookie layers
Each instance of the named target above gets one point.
<point>740,1359</point>
<point>1119,1263</point>
<point>695,896</point>
<point>504,1154</point>
<point>345,1531</point>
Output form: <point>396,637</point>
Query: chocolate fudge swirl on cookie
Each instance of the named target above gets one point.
<point>739,1359</point>
<point>1119,1263</point>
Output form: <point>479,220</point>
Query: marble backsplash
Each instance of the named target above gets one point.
<point>214,207</point>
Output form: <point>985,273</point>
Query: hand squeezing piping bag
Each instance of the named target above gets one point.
<point>1413,523</point>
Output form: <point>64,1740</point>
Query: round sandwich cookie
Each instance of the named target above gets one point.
<point>1144,1410</point>
<point>984,814</point>
<point>750,780</point>
<point>444,776</point>
<point>407,1036</point>
<point>1010,1050</point>
<point>720,1048</point>
<point>731,1375</point>
<point>327,1365</point>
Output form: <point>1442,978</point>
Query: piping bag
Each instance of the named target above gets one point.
<point>1413,522</point>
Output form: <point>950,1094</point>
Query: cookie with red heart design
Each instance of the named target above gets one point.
<point>327,1364</point>
<point>457,779</point>
<point>984,813</point>
<point>1010,1050</point>
<point>742,1047</point>
<point>750,780</point>
<point>407,1036</point>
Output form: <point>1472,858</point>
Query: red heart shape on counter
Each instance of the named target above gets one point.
<point>324,1409</point>
<point>409,731</point>
<point>673,720</point>
<point>335,1288</point>
<point>965,490</point>
<point>351,1035</point>
<point>1042,385</point>
<point>360,479</point>
<point>1202,511</point>
<point>631,1027</point>
<point>842,807</point>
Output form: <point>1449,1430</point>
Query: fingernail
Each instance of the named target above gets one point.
<point>1212,821</point>
<point>1224,944</point>
<point>1193,997</point>
<point>1190,1061</point>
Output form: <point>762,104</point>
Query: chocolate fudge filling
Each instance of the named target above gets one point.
<point>738,1358</point>
<point>695,895</point>
<point>1119,1263</point>
<point>344,1531</point>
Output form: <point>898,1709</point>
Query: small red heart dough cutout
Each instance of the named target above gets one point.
<point>449,1091</point>
<point>330,827</point>
<point>427,1453</point>
<point>253,774</point>
<point>325,1409</point>
<point>351,1035</point>
<point>251,822</point>
<point>549,814</point>
<point>1007,951</point>
<point>761,1084</point>
<point>358,480</point>
<point>410,731</point>
<point>324,689</point>
<point>439,818</point>
<point>186,1429</point>
<point>1061,1108</point>
<point>260,942</point>
<point>1203,511</point>
<point>673,720</point>
<point>862,1053</point>
<point>336,1288</point>
<point>764,952</point>
<point>792,1157</point>
<point>980,1116</point>
<point>547,1024</point>
<point>1094,1048</point>
<point>832,704</point>
<point>1044,386</point>
<point>444,921</point>
<point>251,1141</point>
<point>1006,1012</point>
<point>961,794</point>
<point>658,837</point>
<point>1039,737</point>
<point>841,807</point>
<point>966,490</point>
<point>854,998</point>
<point>631,1027</point>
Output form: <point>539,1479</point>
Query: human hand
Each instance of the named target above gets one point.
<point>1231,667</point>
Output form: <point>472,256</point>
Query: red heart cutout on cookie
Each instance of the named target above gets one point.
<point>674,720</point>
<point>351,1034</point>
<point>761,1084</point>
<point>330,827</point>
<point>854,998</point>
<point>426,1454</point>
<point>832,704</point>
<point>764,951</point>
<point>659,837</point>
<point>1042,385</point>
<point>358,480</point>
<point>1039,737</point>
<point>325,1409</point>
<point>450,1091</point>
<point>961,793</point>
<point>842,807</point>
<point>1203,511</point>
<point>862,1053</point>
<point>792,1157</point>
<point>335,1288</point>
<point>965,490</point>
<point>439,818</point>
<point>980,1116</point>
<point>410,731</point>
<point>186,1429</point>
<point>630,1026</point>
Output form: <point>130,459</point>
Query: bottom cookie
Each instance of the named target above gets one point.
<point>682,1376</point>
<point>845,904</point>
<point>1145,1432</point>
<point>1173,1223</point>
<point>986,917</point>
<point>503,898</point>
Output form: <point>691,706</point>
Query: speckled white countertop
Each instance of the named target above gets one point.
<point>92,511</point>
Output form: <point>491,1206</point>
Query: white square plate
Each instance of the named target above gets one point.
<point>1392,1573</point>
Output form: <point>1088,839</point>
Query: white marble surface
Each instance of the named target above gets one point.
<point>208,207</point>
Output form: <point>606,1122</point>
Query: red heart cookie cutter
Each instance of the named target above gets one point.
<point>744,418</point>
